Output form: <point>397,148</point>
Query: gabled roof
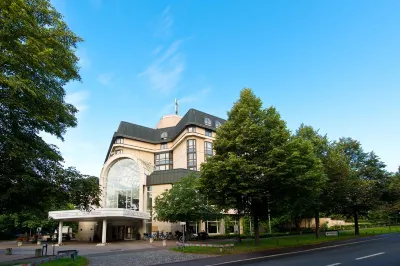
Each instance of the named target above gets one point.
<point>168,176</point>
<point>153,135</point>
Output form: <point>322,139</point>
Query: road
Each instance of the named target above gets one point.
<point>373,253</point>
<point>382,251</point>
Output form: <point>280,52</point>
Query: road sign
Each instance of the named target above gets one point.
<point>332,233</point>
<point>183,223</point>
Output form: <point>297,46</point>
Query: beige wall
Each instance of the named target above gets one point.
<point>157,225</point>
<point>169,121</point>
<point>86,231</point>
<point>180,155</point>
<point>307,223</point>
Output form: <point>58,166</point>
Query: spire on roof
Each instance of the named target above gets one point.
<point>176,106</point>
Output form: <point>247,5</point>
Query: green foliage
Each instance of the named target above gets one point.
<point>37,59</point>
<point>249,147</point>
<point>184,203</point>
<point>364,184</point>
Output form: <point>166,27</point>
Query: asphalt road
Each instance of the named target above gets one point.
<point>382,251</point>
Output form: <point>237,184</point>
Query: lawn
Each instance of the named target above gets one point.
<point>81,261</point>
<point>247,245</point>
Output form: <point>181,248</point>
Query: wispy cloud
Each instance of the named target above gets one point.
<point>105,78</point>
<point>164,28</point>
<point>157,50</point>
<point>78,99</point>
<point>165,73</point>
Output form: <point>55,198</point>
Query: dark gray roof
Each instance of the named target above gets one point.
<point>168,176</point>
<point>152,135</point>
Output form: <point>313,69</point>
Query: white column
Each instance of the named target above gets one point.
<point>104,234</point>
<point>60,226</point>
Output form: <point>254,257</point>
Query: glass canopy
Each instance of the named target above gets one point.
<point>123,185</point>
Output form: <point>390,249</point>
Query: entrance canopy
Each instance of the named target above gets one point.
<point>98,214</point>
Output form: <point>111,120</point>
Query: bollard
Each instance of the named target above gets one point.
<point>151,240</point>
<point>220,249</point>
<point>164,243</point>
<point>38,252</point>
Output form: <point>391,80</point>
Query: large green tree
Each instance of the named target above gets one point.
<point>243,174</point>
<point>365,183</point>
<point>37,59</point>
<point>184,203</point>
<point>304,178</point>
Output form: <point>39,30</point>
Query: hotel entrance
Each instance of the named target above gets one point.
<point>123,232</point>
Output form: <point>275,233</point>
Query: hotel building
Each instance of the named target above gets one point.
<point>140,164</point>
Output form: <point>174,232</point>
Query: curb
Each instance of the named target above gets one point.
<point>205,245</point>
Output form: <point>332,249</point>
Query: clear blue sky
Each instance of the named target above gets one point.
<point>331,64</point>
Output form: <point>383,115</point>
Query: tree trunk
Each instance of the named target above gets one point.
<point>356,228</point>
<point>298,226</point>
<point>316,213</point>
<point>256,231</point>
<point>240,239</point>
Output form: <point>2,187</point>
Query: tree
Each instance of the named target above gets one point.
<point>84,191</point>
<point>365,182</point>
<point>37,59</point>
<point>184,203</point>
<point>78,192</point>
<point>304,178</point>
<point>243,175</point>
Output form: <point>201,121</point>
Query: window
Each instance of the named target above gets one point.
<point>208,133</point>
<point>191,154</point>
<point>119,140</point>
<point>164,146</point>
<point>118,151</point>
<point>164,135</point>
<point>207,121</point>
<point>123,185</point>
<point>191,129</point>
<point>217,124</point>
<point>208,149</point>
<point>213,227</point>
<point>163,161</point>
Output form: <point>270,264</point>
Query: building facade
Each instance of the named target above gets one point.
<point>141,163</point>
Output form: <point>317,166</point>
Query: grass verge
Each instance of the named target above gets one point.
<point>80,261</point>
<point>247,245</point>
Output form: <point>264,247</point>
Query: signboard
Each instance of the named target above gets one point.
<point>332,233</point>
<point>183,223</point>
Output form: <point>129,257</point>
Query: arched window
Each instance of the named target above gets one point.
<point>164,135</point>
<point>217,124</point>
<point>123,180</point>
<point>207,121</point>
